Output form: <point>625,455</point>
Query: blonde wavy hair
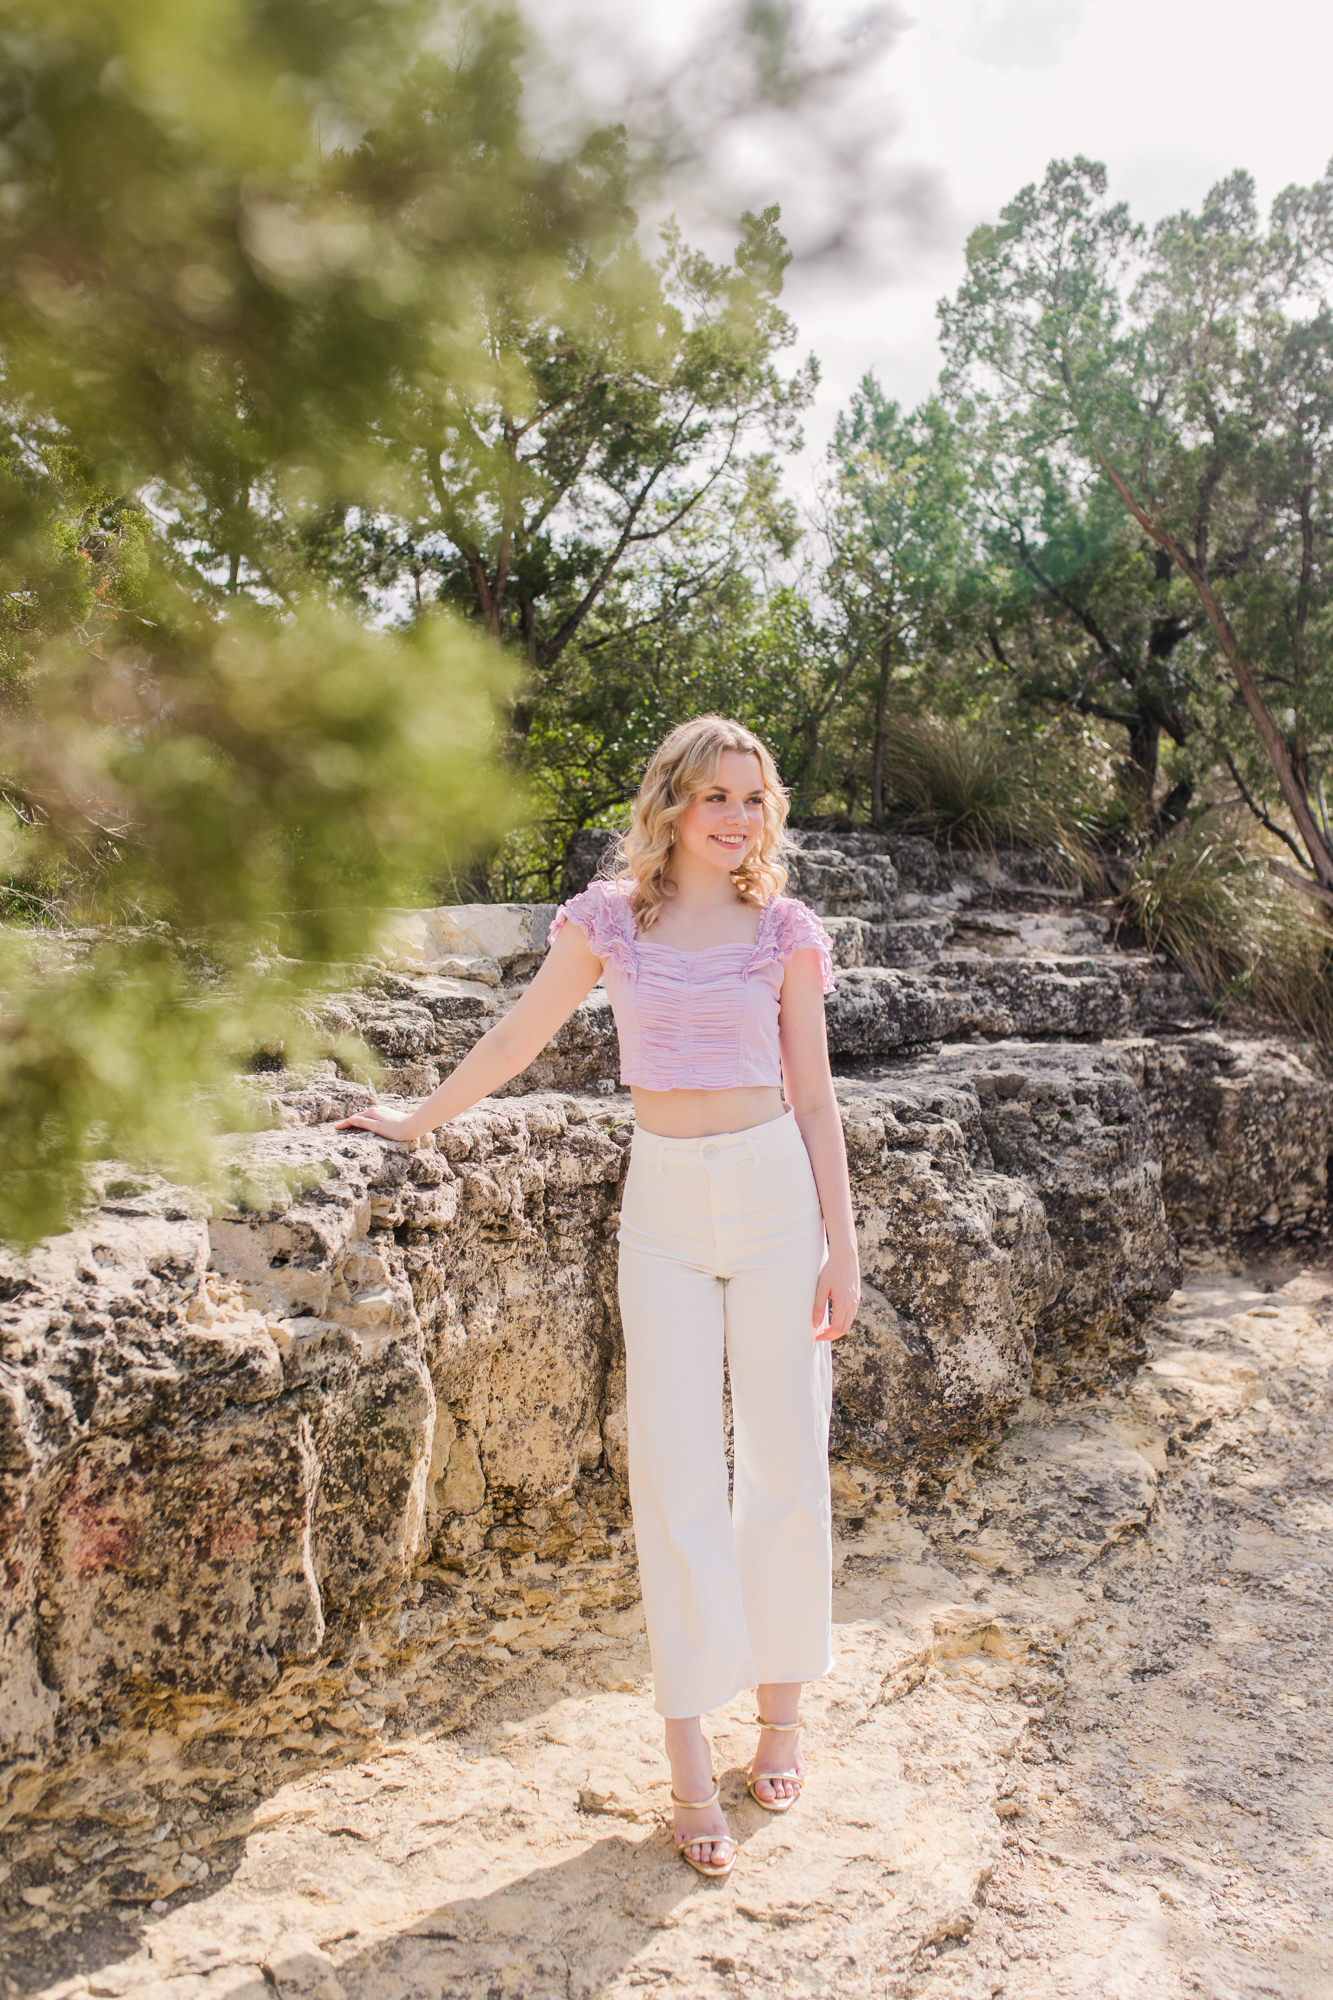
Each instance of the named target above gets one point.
<point>684,765</point>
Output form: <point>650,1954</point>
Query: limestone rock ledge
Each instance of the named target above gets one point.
<point>957,1263</point>
<point>317,1471</point>
<point>253,1467</point>
<point>1244,1127</point>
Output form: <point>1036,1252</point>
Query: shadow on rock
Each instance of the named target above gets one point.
<point>570,1929</point>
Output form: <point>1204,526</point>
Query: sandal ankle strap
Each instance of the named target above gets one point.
<point>698,1805</point>
<point>780,1728</point>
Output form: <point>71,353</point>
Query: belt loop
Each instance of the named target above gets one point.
<point>751,1149</point>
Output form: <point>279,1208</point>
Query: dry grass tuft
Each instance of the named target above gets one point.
<point>974,784</point>
<point>1206,897</point>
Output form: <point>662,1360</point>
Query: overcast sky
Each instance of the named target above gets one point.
<point>966,102</point>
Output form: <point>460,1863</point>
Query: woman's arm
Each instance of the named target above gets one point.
<point>809,1088</point>
<point>567,975</point>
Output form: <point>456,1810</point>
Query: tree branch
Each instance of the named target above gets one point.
<point>1085,618</point>
<point>556,644</point>
<point>1301,882</point>
<point>1259,813</point>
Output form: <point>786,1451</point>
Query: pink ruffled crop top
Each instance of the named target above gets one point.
<point>694,1020</point>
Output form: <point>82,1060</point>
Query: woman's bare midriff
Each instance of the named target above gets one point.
<point>699,1114</point>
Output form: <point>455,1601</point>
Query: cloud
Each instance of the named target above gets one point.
<point>1022,34</point>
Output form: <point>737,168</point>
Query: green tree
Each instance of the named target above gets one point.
<point>1082,612</point>
<point>899,527</point>
<point>1189,371</point>
<point>618,401</point>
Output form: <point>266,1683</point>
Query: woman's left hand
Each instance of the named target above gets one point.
<point>839,1289</point>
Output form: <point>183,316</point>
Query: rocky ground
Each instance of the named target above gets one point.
<point>1076,1743</point>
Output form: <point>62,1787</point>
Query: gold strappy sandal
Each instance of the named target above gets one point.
<point>771,1777</point>
<point>687,1841</point>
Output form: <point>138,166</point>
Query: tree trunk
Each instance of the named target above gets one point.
<point>488,599</point>
<point>1145,735</point>
<point>877,755</point>
<point>1175,805</point>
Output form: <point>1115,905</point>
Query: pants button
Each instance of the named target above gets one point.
<point>710,1152</point>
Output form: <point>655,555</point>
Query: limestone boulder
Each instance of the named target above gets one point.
<point>1243,1126</point>
<point>1069,1122</point>
<point>877,1011</point>
<point>853,941</point>
<point>227,1448</point>
<point>911,943</point>
<point>486,942</point>
<point>925,870</point>
<point>519,1311</point>
<point>28,1704</point>
<point>96,1358</point>
<point>583,1055</point>
<point>1050,995</point>
<point>422,1027</point>
<point>399,1029</point>
<point>837,883</point>
<point>182,1556</point>
<point>958,1267</point>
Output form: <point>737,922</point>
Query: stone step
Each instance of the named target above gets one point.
<point>876,1011</point>
<point>1005,934</point>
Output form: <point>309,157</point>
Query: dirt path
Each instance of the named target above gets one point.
<point>1077,1743</point>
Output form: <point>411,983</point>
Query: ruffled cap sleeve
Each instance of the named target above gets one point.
<point>787,927</point>
<point>605,915</point>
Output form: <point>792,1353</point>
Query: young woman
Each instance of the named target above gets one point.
<point>736,1228</point>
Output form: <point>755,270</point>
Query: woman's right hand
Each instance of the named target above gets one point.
<point>384,1124</point>
<point>568,973</point>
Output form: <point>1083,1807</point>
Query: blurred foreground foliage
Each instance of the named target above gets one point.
<point>339,395</point>
<point>227,266</point>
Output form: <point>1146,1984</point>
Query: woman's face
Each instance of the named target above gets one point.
<point>723,822</point>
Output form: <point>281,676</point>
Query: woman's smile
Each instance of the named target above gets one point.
<point>725,820</point>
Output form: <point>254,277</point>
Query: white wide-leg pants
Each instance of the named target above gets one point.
<point>721,1240</point>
